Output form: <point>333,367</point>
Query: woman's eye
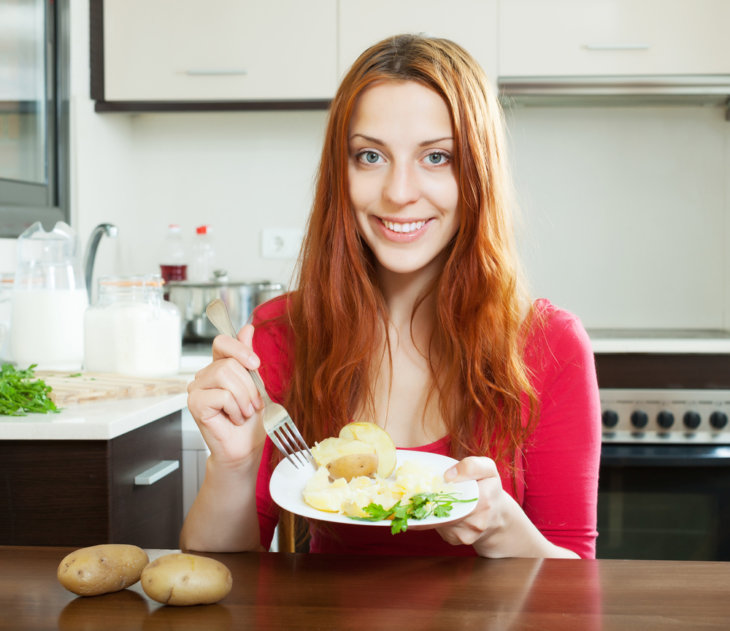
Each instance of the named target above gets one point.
<point>369,157</point>
<point>437,158</point>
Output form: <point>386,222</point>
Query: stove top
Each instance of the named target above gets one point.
<point>665,416</point>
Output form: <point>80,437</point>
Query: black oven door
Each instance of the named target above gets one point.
<point>664,502</point>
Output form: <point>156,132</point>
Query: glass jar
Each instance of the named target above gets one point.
<point>48,300</point>
<point>131,330</point>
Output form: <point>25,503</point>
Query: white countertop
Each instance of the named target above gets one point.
<point>104,420</point>
<point>659,341</point>
<point>100,420</point>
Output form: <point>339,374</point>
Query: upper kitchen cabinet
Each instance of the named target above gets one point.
<point>613,37</point>
<point>470,23</point>
<point>185,54</point>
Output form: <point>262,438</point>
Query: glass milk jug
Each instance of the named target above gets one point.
<point>131,329</point>
<point>48,300</point>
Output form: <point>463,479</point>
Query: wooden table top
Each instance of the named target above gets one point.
<point>311,591</point>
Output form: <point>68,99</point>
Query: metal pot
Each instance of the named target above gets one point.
<point>240,297</point>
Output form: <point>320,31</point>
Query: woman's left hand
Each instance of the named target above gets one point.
<point>497,527</point>
<point>489,516</point>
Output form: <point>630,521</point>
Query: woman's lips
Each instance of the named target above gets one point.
<point>402,231</point>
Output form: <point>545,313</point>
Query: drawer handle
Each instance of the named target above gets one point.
<point>156,473</point>
<point>636,46</point>
<point>216,72</point>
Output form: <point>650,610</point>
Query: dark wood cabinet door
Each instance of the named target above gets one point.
<point>82,492</point>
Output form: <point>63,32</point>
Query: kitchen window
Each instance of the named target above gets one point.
<point>34,134</point>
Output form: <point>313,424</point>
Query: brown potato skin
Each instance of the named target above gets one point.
<point>186,579</point>
<point>101,569</point>
<point>352,466</point>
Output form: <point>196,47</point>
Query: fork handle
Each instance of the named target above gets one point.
<point>259,383</point>
<point>217,313</point>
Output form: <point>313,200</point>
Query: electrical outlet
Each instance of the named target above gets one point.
<point>281,243</point>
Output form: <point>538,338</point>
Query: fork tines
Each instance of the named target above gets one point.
<point>289,441</point>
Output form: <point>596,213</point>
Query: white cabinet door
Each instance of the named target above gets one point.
<point>470,23</point>
<point>614,37</point>
<point>172,50</point>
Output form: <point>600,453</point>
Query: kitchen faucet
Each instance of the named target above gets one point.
<point>102,229</point>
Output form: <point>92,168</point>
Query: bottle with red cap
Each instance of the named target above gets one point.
<point>204,256</point>
<point>174,264</point>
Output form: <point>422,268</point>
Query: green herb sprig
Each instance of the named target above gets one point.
<point>21,394</point>
<point>420,506</point>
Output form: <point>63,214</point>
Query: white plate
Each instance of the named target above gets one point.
<point>287,484</point>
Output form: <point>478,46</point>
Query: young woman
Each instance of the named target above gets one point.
<point>410,312</point>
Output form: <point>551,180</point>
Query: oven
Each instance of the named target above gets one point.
<point>664,485</point>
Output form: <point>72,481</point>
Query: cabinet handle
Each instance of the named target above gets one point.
<point>216,72</point>
<point>156,473</point>
<point>636,46</point>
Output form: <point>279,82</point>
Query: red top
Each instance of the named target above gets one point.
<point>557,478</point>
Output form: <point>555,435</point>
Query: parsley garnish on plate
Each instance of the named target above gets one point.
<point>21,394</point>
<point>419,506</point>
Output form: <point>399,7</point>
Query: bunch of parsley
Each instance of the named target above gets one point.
<point>419,506</point>
<point>21,394</point>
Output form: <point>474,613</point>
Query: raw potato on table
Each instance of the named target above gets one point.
<point>102,569</point>
<point>186,579</point>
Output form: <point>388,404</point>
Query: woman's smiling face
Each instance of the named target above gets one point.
<point>403,187</point>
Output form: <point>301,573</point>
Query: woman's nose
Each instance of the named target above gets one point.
<point>401,185</point>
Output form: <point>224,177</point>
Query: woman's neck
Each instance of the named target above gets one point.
<point>402,292</point>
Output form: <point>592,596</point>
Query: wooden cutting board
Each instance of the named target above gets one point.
<point>72,388</point>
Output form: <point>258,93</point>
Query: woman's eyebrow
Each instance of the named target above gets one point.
<point>372,139</point>
<point>377,141</point>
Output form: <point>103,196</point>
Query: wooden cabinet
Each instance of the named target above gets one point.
<point>221,51</point>
<point>613,37</point>
<point>86,492</point>
<point>470,23</point>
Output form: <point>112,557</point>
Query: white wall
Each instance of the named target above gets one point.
<point>625,209</point>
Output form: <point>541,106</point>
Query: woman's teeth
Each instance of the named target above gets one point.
<point>404,227</point>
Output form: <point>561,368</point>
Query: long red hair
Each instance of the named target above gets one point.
<point>337,312</point>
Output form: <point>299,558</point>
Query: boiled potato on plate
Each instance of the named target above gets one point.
<point>351,453</point>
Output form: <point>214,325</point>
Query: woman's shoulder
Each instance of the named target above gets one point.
<point>271,310</point>
<point>555,332</point>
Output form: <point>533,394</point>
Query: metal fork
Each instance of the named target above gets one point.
<point>277,422</point>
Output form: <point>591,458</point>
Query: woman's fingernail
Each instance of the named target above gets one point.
<point>250,410</point>
<point>450,474</point>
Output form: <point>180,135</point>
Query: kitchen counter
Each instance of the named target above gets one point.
<point>102,420</point>
<point>660,341</point>
<point>320,591</point>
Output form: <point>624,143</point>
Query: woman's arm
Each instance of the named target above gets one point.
<point>224,403</point>
<point>556,512</point>
<point>497,527</point>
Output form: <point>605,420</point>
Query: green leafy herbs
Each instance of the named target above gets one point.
<point>21,394</point>
<point>419,506</point>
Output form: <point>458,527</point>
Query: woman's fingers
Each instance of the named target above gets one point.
<point>240,348</point>
<point>472,468</point>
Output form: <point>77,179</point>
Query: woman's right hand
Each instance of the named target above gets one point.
<point>225,403</point>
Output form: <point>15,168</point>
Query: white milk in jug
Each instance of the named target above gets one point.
<point>47,328</point>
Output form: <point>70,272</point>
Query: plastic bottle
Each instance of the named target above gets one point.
<point>173,265</point>
<point>204,256</point>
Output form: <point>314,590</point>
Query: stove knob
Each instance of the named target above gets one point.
<point>639,419</point>
<point>665,419</point>
<point>609,418</point>
<point>692,420</point>
<point>718,420</point>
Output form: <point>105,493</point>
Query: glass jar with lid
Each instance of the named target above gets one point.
<point>131,329</point>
